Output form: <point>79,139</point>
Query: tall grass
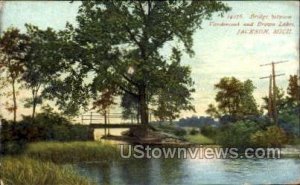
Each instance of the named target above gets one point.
<point>25,171</point>
<point>72,152</point>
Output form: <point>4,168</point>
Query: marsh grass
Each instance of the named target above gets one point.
<point>72,152</point>
<point>49,163</point>
<point>25,171</point>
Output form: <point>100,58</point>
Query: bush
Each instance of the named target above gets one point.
<point>272,137</point>
<point>60,133</point>
<point>237,134</point>
<point>180,132</point>
<point>13,147</point>
<point>194,131</point>
<point>209,131</point>
<point>289,121</point>
<point>47,126</point>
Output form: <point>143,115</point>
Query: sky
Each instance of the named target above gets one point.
<point>219,50</point>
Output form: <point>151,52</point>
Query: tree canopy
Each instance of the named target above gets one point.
<point>118,44</point>
<point>234,98</point>
<point>13,48</point>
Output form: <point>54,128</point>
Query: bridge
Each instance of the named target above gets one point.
<point>94,126</point>
<point>109,121</point>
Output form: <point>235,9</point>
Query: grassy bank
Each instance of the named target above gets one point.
<point>25,171</point>
<point>72,152</point>
<point>41,162</point>
<point>199,139</point>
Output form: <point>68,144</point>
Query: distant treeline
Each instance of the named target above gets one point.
<point>195,121</point>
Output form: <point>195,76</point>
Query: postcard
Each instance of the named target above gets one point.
<point>149,92</point>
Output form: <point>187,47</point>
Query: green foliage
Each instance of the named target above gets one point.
<point>194,131</point>
<point>177,95</point>
<point>129,106</point>
<point>13,47</point>
<point>281,101</point>
<point>209,131</point>
<point>12,147</point>
<point>234,98</point>
<point>199,139</point>
<point>180,132</point>
<point>47,126</point>
<point>26,171</point>
<point>72,152</point>
<point>293,89</point>
<point>290,121</point>
<point>119,43</point>
<point>41,64</point>
<point>274,136</point>
<point>237,134</point>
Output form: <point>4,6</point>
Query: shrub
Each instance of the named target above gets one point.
<point>46,126</point>
<point>237,134</point>
<point>272,137</point>
<point>194,131</point>
<point>209,131</point>
<point>289,121</point>
<point>180,132</point>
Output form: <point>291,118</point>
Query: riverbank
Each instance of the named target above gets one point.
<point>21,170</point>
<point>50,162</point>
<point>47,162</point>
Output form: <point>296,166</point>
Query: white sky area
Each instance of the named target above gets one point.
<point>219,51</point>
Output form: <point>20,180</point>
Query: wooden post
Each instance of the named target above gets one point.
<point>274,110</point>
<point>270,99</point>
<point>274,96</point>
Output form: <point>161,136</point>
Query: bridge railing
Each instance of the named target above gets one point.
<point>109,118</point>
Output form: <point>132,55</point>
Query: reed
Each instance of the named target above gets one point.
<point>72,152</point>
<point>25,171</point>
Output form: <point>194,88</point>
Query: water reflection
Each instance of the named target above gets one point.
<point>191,171</point>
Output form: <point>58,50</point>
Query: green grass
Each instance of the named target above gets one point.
<point>25,171</point>
<point>72,152</point>
<point>41,162</point>
<point>199,139</point>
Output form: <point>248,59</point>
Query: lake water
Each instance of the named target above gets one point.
<point>194,171</point>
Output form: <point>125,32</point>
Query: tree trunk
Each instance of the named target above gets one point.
<point>33,105</point>
<point>15,101</point>
<point>105,122</point>
<point>143,108</point>
<point>33,110</point>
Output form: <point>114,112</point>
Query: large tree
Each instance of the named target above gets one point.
<point>234,98</point>
<point>120,43</point>
<point>13,48</point>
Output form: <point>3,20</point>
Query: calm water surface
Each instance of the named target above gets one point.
<point>194,171</point>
